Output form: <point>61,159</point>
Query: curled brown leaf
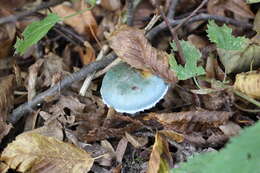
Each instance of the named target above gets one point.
<point>130,44</point>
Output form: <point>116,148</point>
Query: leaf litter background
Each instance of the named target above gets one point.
<point>68,131</point>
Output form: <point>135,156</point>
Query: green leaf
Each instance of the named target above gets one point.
<point>223,37</point>
<point>242,154</point>
<point>190,69</point>
<point>252,1</point>
<point>92,2</point>
<point>34,32</point>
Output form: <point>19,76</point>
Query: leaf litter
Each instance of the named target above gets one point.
<point>201,112</point>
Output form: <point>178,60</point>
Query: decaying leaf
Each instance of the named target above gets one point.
<point>120,149</point>
<point>6,103</point>
<point>31,152</point>
<point>172,135</point>
<point>238,7</point>
<point>87,55</point>
<point>3,167</point>
<point>248,83</point>
<point>111,5</point>
<point>160,158</point>
<point>191,120</point>
<point>84,23</point>
<point>131,45</point>
<point>7,35</point>
<point>137,142</point>
<point>53,65</point>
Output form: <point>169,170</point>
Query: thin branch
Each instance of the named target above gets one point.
<point>25,108</point>
<point>192,14</point>
<point>172,9</point>
<point>161,27</point>
<point>180,59</point>
<point>17,16</point>
<point>130,12</point>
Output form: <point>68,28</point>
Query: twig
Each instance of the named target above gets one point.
<point>17,16</point>
<point>130,12</point>
<point>161,27</point>
<point>88,80</point>
<point>26,107</point>
<point>181,58</point>
<point>172,9</point>
<point>192,14</point>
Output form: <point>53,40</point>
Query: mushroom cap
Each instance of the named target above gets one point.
<point>128,91</point>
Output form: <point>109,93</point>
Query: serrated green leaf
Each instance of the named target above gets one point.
<point>223,37</point>
<point>34,32</point>
<point>242,154</point>
<point>190,69</point>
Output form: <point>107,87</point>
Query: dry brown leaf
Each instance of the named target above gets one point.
<point>84,23</point>
<point>7,35</point>
<point>52,66</point>
<point>172,135</point>
<point>31,152</point>
<point>120,149</point>
<point>131,45</point>
<point>238,7</point>
<point>137,142</point>
<point>230,129</point>
<point>6,103</point>
<point>248,83</point>
<point>160,158</point>
<point>257,22</point>
<point>191,120</point>
<point>87,55</point>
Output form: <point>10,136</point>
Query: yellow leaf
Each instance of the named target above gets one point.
<point>34,153</point>
<point>248,83</point>
<point>160,158</point>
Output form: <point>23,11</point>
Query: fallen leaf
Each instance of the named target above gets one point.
<point>248,83</point>
<point>131,45</point>
<point>191,120</point>
<point>257,22</point>
<point>238,7</point>
<point>84,23</point>
<point>172,135</point>
<point>87,55</point>
<point>3,167</point>
<point>52,66</point>
<point>7,35</point>
<point>32,152</point>
<point>137,142</point>
<point>6,103</point>
<point>120,149</point>
<point>230,129</point>
<point>160,158</point>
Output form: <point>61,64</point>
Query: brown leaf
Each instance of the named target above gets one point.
<point>172,135</point>
<point>238,7</point>
<point>131,45</point>
<point>191,120</point>
<point>137,142</point>
<point>87,55</point>
<point>257,22</point>
<point>160,158</point>
<point>7,35</point>
<point>84,23</point>
<point>52,66</point>
<point>120,149</point>
<point>31,152</point>
<point>6,103</point>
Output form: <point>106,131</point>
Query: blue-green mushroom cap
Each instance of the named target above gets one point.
<point>128,91</point>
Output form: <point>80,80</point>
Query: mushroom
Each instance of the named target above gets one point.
<point>127,90</point>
